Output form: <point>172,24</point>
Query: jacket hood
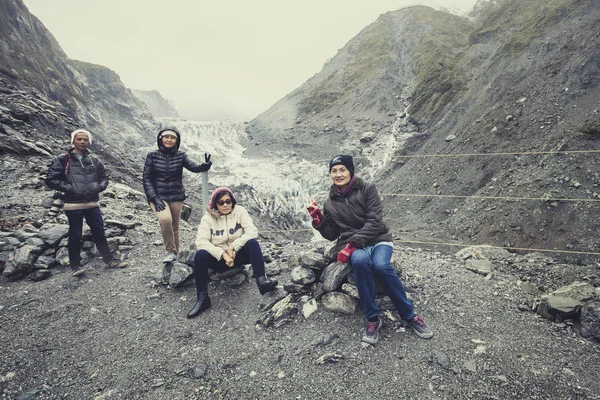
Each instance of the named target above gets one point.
<point>72,153</point>
<point>159,141</point>
<point>212,203</point>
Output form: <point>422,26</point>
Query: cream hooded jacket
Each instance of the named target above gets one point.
<point>217,232</point>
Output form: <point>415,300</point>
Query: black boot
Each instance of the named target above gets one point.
<point>265,285</point>
<point>203,303</point>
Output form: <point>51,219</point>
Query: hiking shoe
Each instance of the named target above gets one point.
<point>171,257</point>
<point>371,331</point>
<point>265,285</point>
<point>420,327</point>
<point>116,263</point>
<point>77,271</point>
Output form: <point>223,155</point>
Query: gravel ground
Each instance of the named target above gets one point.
<point>116,335</point>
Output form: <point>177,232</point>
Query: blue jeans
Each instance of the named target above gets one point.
<point>375,262</point>
<point>249,254</point>
<point>93,217</point>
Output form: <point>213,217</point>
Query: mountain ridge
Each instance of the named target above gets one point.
<point>473,87</point>
<point>53,94</point>
<point>156,103</point>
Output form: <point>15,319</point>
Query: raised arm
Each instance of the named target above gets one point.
<point>325,225</point>
<point>194,167</point>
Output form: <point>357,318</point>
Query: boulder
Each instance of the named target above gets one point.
<point>302,276</point>
<point>334,274</point>
<point>339,302</point>
<point>482,267</point>
<point>52,234</point>
<point>312,259</point>
<point>309,308</point>
<point>22,262</point>
<point>557,308</point>
<point>581,291</point>
<point>62,256</point>
<point>590,321</point>
<point>281,313</point>
<point>270,298</point>
<point>179,273</point>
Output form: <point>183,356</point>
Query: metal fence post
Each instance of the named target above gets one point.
<point>204,191</point>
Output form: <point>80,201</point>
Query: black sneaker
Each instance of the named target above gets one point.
<point>420,327</point>
<point>371,331</point>
<point>77,271</point>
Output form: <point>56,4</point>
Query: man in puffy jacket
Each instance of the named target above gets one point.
<point>163,175</point>
<point>81,176</point>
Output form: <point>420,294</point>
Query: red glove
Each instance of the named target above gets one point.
<point>315,213</point>
<point>346,252</point>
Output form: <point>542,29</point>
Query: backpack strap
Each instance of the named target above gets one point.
<point>66,162</point>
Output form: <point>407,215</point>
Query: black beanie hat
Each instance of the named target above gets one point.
<point>344,160</point>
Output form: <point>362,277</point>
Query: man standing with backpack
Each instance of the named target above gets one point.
<point>82,176</point>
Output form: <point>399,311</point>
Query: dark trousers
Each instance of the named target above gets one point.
<point>93,217</point>
<point>249,254</point>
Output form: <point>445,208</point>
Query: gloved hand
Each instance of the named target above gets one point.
<point>68,188</point>
<point>315,213</point>
<point>344,255</point>
<point>207,163</point>
<point>158,204</point>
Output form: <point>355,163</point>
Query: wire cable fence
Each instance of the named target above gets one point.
<point>544,198</point>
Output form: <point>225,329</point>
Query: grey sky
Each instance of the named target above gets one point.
<point>214,60</point>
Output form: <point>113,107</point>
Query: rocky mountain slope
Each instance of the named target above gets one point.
<point>44,95</point>
<point>466,124</point>
<point>158,105</point>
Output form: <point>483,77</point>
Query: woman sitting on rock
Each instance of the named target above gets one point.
<point>352,215</point>
<point>226,238</point>
<point>163,175</point>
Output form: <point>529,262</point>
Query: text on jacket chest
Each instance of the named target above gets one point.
<point>221,232</point>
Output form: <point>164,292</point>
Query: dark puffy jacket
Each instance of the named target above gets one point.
<point>163,171</point>
<point>85,180</point>
<point>356,218</point>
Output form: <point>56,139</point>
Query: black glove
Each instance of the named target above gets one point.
<point>158,204</point>
<point>67,188</point>
<point>207,163</point>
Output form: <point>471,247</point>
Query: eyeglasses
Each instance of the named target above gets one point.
<point>223,202</point>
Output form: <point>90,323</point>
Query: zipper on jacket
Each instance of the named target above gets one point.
<point>168,171</point>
